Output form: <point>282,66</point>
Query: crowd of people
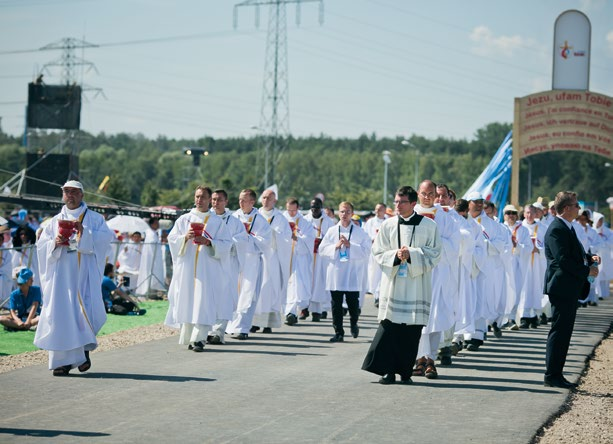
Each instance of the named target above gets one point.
<point>442,271</point>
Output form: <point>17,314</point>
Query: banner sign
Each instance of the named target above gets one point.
<point>564,121</point>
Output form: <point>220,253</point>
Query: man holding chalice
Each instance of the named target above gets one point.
<point>71,255</point>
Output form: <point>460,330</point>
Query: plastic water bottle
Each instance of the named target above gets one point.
<point>403,270</point>
<point>591,279</point>
<point>343,254</point>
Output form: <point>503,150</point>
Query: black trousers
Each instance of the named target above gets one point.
<point>121,307</point>
<point>353,306</point>
<point>393,349</point>
<point>563,314</point>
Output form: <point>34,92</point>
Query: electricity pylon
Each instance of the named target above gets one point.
<point>274,115</point>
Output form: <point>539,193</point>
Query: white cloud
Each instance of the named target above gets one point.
<point>486,43</point>
<point>592,5</point>
<point>609,39</point>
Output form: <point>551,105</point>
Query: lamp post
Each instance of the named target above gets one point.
<point>195,152</point>
<point>386,162</point>
<point>409,144</point>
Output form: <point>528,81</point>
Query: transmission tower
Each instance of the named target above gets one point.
<point>274,114</point>
<point>68,61</point>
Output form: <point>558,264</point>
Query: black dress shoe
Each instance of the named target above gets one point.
<point>559,383</point>
<point>315,317</point>
<point>304,314</point>
<point>390,378</point>
<point>337,338</point>
<point>291,319</point>
<point>497,330</point>
<point>267,330</point>
<point>198,346</point>
<point>324,315</point>
<point>253,329</point>
<point>568,382</point>
<point>241,336</point>
<point>355,331</point>
<point>406,380</point>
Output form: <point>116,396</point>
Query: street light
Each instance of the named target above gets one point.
<point>195,152</point>
<point>409,144</point>
<point>386,161</point>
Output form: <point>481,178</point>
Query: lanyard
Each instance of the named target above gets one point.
<point>350,231</point>
<point>412,234</point>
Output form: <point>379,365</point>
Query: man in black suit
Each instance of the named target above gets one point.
<point>568,268</point>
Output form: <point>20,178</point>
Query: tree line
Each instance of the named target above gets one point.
<point>154,172</point>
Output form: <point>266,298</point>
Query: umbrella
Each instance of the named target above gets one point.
<point>128,224</point>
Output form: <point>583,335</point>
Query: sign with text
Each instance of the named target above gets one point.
<point>564,121</point>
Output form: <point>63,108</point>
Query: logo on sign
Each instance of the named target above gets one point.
<point>567,51</point>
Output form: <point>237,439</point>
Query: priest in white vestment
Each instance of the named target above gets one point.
<point>196,252</point>
<point>151,275</point>
<point>444,281</point>
<point>520,257</point>
<point>407,248</point>
<point>256,245</point>
<point>299,286</point>
<point>227,297</point>
<point>129,260</point>
<point>491,278</point>
<point>320,297</point>
<point>275,267</point>
<point>372,227</point>
<point>531,294</point>
<point>605,248</point>
<point>71,268</point>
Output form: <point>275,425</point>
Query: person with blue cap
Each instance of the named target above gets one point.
<point>24,304</point>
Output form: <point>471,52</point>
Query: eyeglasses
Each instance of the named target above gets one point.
<point>511,213</point>
<point>427,195</point>
<point>400,202</point>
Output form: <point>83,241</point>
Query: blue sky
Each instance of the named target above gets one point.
<point>393,67</point>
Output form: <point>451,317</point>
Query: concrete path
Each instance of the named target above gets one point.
<point>294,386</point>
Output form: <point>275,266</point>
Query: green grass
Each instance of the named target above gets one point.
<point>13,343</point>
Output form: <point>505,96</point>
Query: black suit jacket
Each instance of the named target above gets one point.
<point>567,272</point>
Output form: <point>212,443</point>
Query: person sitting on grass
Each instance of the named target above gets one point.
<point>24,304</point>
<point>117,301</point>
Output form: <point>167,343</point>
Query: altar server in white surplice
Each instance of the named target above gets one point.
<point>299,286</point>
<point>320,297</point>
<point>71,278</point>
<point>444,280</point>
<point>197,241</point>
<point>275,267</point>
<point>257,244</point>
<point>347,247</point>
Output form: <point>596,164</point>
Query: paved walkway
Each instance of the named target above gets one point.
<point>293,386</point>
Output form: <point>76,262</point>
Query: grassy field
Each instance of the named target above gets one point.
<point>12,343</point>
